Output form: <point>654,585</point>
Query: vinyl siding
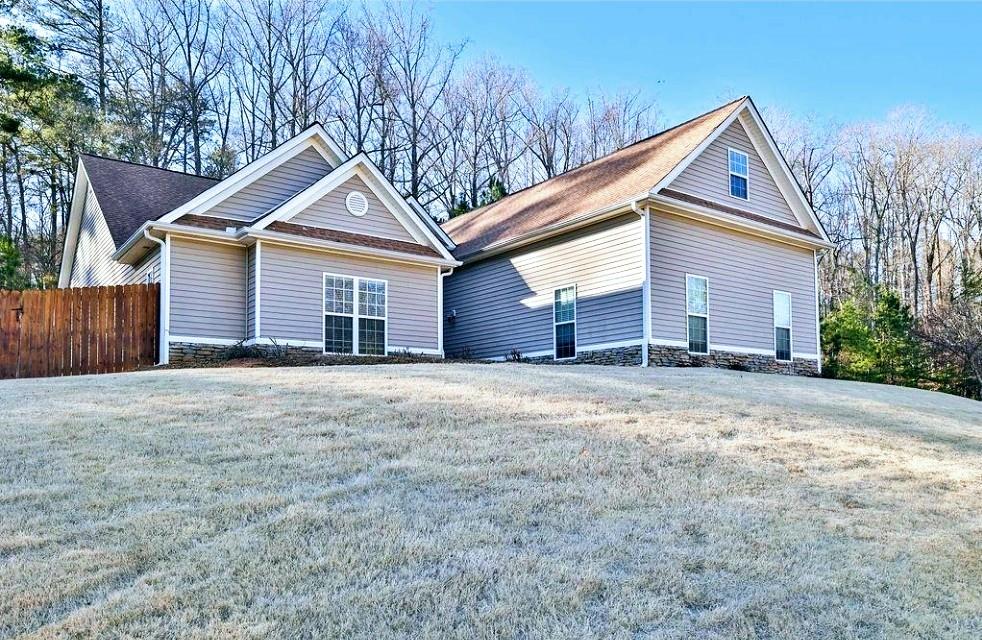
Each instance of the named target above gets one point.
<point>207,290</point>
<point>506,302</point>
<point>274,188</point>
<point>150,265</point>
<point>292,295</point>
<point>709,177</point>
<point>93,265</point>
<point>330,213</point>
<point>743,273</point>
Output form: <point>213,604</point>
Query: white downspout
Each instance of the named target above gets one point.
<point>440,317</point>
<point>164,316</point>
<point>646,284</point>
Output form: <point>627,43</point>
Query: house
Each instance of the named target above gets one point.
<point>300,249</point>
<point>694,246</point>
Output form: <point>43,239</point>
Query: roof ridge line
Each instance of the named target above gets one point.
<point>586,164</point>
<point>148,166</point>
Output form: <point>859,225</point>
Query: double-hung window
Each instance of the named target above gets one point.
<point>697,313</point>
<point>739,174</point>
<point>355,313</point>
<point>564,322</point>
<point>782,326</point>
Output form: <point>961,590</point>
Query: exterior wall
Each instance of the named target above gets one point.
<point>661,356</point>
<point>291,291</point>
<point>93,265</point>
<point>274,188</point>
<point>330,212</point>
<point>743,272</point>
<point>251,291</point>
<point>147,270</point>
<point>207,290</point>
<point>506,302</point>
<point>709,177</point>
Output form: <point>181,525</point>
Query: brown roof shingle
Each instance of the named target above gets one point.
<point>131,194</point>
<point>609,180</point>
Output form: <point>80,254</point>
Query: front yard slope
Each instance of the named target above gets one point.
<point>487,501</point>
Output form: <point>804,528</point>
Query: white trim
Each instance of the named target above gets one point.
<point>688,340</point>
<point>165,301</point>
<point>224,342</point>
<point>275,237</point>
<point>394,350</point>
<point>579,349</point>
<point>818,322</point>
<point>431,223</point>
<point>314,136</point>
<point>555,324</point>
<point>790,329</point>
<point>257,281</point>
<point>663,342</point>
<point>355,315</point>
<point>730,173</point>
<point>695,153</point>
<point>287,342</point>
<point>439,309</point>
<point>646,287</point>
<point>74,224</point>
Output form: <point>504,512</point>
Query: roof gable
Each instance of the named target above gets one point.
<point>707,176</point>
<point>331,212</point>
<point>616,178</point>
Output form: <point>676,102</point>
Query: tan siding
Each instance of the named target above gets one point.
<point>330,213</point>
<point>709,177</point>
<point>743,273</point>
<point>93,265</point>
<point>207,290</point>
<point>292,295</point>
<point>506,302</point>
<point>274,188</point>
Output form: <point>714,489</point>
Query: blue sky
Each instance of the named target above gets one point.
<point>834,62</point>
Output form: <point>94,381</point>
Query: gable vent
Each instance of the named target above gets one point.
<point>356,203</point>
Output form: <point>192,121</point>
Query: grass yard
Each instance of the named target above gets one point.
<point>487,501</point>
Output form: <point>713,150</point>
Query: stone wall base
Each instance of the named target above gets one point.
<point>662,356</point>
<point>620,356</point>
<point>188,353</point>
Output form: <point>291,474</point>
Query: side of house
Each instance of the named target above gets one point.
<point>711,262</point>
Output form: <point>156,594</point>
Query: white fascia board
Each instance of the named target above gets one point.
<point>432,223</point>
<point>341,247</point>
<point>718,218</point>
<point>310,195</point>
<point>176,229</point>
<point>313,136</point>
<point>74,223</point>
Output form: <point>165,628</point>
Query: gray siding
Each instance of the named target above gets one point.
<point>275,187</point>
<point>506,302</point>
<point>709,177</point>
<point>329,212</point>
<point>93,265</point>
<point>292,294</point>
<point>743,273</point>
<point>149,266</point>
<point>207,290</point>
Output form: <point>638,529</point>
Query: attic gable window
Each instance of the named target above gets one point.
<point>739,174</point>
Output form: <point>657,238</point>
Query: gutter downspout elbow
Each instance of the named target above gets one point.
<point>646,282</point>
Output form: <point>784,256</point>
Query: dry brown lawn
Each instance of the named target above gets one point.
<point>487,501</point>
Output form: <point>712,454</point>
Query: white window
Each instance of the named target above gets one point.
<point>782,326</point>
<point>564,322</point>
<point>739,174</point>
<point>697,313</point>
<point>355,311</point>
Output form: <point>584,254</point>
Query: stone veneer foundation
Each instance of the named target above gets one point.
<point>661,356</point>
<point>194,352</point>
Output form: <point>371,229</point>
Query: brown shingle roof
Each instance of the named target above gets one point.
<point>209,222</point>
<point>607,181</point>
<point>131,194</point>
<point>353,238</point>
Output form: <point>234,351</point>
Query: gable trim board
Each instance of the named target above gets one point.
<point>314,136</point>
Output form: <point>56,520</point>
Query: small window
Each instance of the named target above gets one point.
<point>697,313</point>
<point>739,174</point>
<point>564,322</point>
<point>782,326</point>
<point>355,312</point>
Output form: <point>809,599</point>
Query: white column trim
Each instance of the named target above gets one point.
<point>646,288</point>
<point>259,245</point>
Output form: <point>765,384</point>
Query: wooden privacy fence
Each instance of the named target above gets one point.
<point>64,332</point>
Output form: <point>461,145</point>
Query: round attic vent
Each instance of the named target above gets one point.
<point>356,203</point>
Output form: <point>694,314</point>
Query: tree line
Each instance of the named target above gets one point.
<point>207,87</point>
